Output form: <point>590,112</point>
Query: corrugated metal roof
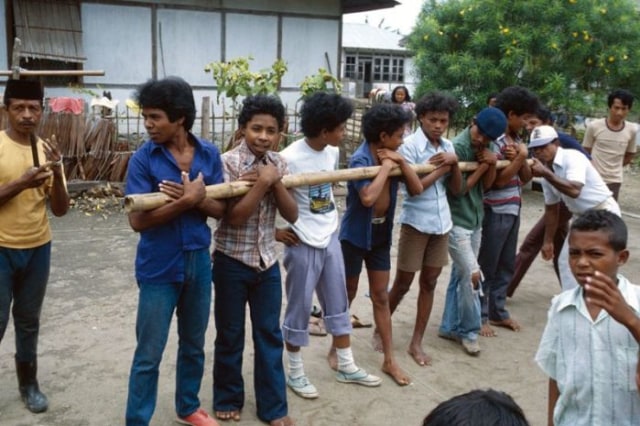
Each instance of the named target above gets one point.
<point>350,6</point>
<point>49,29</point>
<point>367,37</point>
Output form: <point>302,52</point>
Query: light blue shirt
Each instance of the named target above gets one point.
<point>593,362</point>
<point>428,212</point>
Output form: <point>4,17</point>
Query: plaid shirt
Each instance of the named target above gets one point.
<point>253,243</point>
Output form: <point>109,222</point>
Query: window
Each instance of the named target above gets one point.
<point>51,36</point>
<point>350,67</point>
<point>388,69</point>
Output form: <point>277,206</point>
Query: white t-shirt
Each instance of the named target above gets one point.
<point>317,212</point>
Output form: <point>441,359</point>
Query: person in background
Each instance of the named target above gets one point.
<point>611,141</point>
<point>173,267</point>
<point>400,95</point>
<point>31,173</point>
<point>532,243</point>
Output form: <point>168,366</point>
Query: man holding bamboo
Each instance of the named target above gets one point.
<point>30,173</point>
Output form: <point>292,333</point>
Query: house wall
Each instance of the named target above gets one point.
<point>4,60</point>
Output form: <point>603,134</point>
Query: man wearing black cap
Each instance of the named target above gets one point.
<point>25,236</point>
<point>461,317</point>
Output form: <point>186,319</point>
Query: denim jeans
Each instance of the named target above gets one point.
<point>497,259</point>
<point>237,284</point>
<point>191,301</point>
<point>461,317</point>
<point>23,279</point>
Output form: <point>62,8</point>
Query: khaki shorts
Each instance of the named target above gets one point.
<point>417,250</point>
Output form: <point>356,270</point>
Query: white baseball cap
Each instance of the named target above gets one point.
<point>541,136</point>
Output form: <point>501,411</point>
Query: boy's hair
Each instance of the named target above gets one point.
<point>438,102</point>
<point>324,111</point>
<point>261,104</point>
<point>518,100</point>
<point>625,96</point>
<point>387,118</point>
<point>544,114</point>
<point>478,408</point>
<point>172,95</point>
<point>406,91</point>
<point>604,221</point>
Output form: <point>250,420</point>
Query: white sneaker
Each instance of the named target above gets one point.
<point>302,387</point>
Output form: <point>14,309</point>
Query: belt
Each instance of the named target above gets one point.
<point>378,220</point>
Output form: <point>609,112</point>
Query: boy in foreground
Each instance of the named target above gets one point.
<point>367,224</point>
<point>312,256</point>
<point>589,348</point>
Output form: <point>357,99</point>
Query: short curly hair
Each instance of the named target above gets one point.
<point>172,95</point>
<point>387,118</point>
<point>324,111</point>
<point>261,104</point>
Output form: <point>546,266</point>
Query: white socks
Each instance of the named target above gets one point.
<point>296,368</point>
<point>346,364</point>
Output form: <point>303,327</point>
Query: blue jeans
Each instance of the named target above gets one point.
<point>461,317</point>
<point>497,259</point>
<point>237,284</point>
<point>23,279</point>
<point>191,301</point>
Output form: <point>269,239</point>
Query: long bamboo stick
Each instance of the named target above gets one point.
<point>150,201</point>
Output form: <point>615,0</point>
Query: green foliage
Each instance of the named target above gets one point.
<point>233,78</point>
<point>320,82</point>
<point>78,88</point>
<point>569,52</point>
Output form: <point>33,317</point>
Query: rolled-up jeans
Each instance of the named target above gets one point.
<point>461,317</point>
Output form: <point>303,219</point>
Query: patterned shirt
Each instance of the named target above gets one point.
<point>592,361</point>
<point>252,243</point>
<point>505,199</point>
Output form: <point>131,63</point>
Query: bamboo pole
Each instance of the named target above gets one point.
<point>150,201</point>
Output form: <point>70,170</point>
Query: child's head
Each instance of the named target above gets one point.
<point>400,94</point>
<point>434,111</point>
<point>384,124</point>
<point>487,126</point>
<point>518,104</point>
<point>172,95</point>
<point>478,408</point>
<point>491,99</point>
<point>597,242</point>
<point>540,117</point>
<point>324,115</point>
<point>260,120</point>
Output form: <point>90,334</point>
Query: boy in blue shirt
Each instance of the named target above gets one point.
<point>173,267</point>
<point>365,233</point>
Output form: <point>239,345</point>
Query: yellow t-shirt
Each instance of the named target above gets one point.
<point>23,219</point>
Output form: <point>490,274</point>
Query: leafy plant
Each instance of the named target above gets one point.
<point>323,81</point>
<point>234,78</point>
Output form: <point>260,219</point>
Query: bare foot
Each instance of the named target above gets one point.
<point>228,415</point>
<point>487,331</point>
<point>396,373</point>
<point>332,359</point>
<point>419,356</point>
<point>509,323</point>
<point>376,342</point>
<point>282,421</point>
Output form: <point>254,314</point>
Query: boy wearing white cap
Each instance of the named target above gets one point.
<point>569,177</point>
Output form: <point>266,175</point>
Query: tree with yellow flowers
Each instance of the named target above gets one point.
<point>569,52</point>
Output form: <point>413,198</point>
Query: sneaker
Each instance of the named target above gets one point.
<point>471,347</point>
<point>359,377</point>
<point>302,387</point>
<point>198,418</point>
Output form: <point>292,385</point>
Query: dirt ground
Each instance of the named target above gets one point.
<point>87,340</point>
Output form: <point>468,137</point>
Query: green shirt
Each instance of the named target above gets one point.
<point>467,210</point>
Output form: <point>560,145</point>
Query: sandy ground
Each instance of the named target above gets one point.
<point>87,341</point>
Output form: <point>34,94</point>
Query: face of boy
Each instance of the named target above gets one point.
<point>434,123</point>
<point>335,136</point>
<point>392,141</point>
<point>158,126</point>
<point>618,111</point>
<point>533,122</point>
<point>590,251</point>
<point>478,140</point>
<point>516,123</point>
<point>261,133</point>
